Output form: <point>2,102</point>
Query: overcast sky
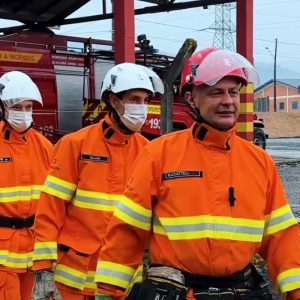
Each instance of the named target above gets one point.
<point>167,31</point>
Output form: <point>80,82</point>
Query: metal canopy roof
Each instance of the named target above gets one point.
<point>42,12</point>
<point>45,13</point>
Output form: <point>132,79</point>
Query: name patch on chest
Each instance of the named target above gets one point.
<point>97,158</point>
<point>5,159</point>
<point>181,174</point>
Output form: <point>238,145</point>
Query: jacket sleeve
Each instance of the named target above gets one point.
<point>58,190</point>
<point>129,227</point>
<point>280,245</point>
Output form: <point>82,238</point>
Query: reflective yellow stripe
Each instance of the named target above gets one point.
<point>288,280</point>
<point>20,193</point>
<point>132,213</point>
<point>59,188</point>
<point>108,272</point>
<point>137,278</point>
<point>90,280</point>
<point>45,250</point>
<point>95,200</point>
<point>279,219</point>
<point>210,227</point>
<point>15,260</point>
<point>36,191</point>
<point>70,276</point>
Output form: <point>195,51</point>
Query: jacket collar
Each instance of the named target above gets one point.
<point>212,137</point>
<point>112,133</point>
<point>11,136</point>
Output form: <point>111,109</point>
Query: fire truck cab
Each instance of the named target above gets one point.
<point>69,71</point>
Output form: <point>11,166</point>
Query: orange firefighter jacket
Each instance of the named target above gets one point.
<point>24,162</point>
<point>87,176</point>
<point>209,201</point>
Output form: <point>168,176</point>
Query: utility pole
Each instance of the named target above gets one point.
<point>274,73</point>
<point>275,80</point>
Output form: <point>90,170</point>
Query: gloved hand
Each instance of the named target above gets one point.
<point>103,297</point>
<point>44,286</point>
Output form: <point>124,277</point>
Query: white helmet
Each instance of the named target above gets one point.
<point>16,87</point>
<point>127,76</point>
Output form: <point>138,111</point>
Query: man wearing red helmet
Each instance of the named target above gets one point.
<point>211,201</point>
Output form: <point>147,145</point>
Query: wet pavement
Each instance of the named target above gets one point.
<point>286,153</point>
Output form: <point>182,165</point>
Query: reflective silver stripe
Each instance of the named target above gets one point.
<point>289,279</point>
<point>13,194</point>
<point>279,219</point>
<point>216,227</point>
<point>70,276</point>
<point>128,211</point>
<point>90,278</point>
<point>9,258</point>
<point>45,250</point>
<point>36,191</point>
<point>18,260</point>
<point>208,226</point>
<point>112,273</point>
<point>60,188</point>
<point>95,200</point>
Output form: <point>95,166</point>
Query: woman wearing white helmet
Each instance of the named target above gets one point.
<point>18,92</point>
<point>87,177</point>
<point>20,183</point>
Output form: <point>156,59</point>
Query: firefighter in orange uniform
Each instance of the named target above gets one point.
<point>25,157</point>
<point>86,180</point>
<point>207,200</point>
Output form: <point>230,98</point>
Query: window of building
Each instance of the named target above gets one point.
<point>281,105</point>
<point>295,105</point>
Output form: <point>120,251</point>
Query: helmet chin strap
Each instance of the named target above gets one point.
<point>199,119</point>
<point>2,111</point>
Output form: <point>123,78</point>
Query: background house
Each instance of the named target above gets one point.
<point>287,96</point>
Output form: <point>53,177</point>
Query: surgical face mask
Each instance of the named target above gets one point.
<point>19,120</point>
<point>134,116</point>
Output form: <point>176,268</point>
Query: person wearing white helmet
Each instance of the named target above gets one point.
<point>87,176</point>
<point>121,90</point>
<point>21,181</point>
<point>205,201</point>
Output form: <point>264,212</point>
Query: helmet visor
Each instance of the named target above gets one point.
<point>221,63</point>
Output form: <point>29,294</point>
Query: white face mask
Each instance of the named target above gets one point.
<point>134,116</point>
<point>19,120</point>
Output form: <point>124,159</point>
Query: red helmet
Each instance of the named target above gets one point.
<point>210,65</point>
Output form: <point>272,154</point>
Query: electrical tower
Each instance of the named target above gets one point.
<point>223,26</point>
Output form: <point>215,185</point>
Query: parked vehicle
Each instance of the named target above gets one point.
<point>69,71</point>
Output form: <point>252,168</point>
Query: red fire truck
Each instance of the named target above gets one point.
<point>69,71</point>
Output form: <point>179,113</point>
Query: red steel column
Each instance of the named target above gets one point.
<point>124,31</point>
<point>244,43</point>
